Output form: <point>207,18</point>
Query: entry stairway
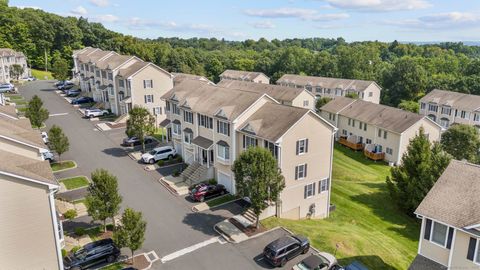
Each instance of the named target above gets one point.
<point>194,173</point>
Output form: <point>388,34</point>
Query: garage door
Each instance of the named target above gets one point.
<point>188,157</point>
<point>225,180</point>
<point>178,147</point>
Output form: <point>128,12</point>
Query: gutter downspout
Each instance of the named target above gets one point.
<point>330,172</point>
<point>55,227</point>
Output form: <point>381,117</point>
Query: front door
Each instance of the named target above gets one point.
<point>204,157</point>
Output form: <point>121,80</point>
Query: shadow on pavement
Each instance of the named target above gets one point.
<point>116,152</point>
<point>260,261</point>
<point>372,261</point>
<point>203,222</point>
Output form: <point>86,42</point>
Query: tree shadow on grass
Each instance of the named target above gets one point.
<point>371,261</point>
<point>384,206</point>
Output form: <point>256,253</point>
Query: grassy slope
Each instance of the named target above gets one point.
<point>75,182</point>
<point>57,166</point>
<point>366,224</point>
<point>40,74</point>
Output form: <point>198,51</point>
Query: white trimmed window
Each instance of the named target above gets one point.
<point>175,109</point>
<point>439,233</point>
<point>309,191</point>
<point>305,102</point>
<point>110,76</point>
<point>157,111</point>
<point>300,171</point>
<point>223,152</point>
<point>302,146</point>
<point>370,94</point>
<point>187,137</point>
<point>432,107</point>
<point>147,83</point>
<point>422,105</point>
<point>323,185</point>
<point>205,121</point>
<point>176,130</point>
<point>148,98</point>
<point>121,83</point>
<point>223,128</point>
<point>249,142</point>
<point>188,117</point>
<point>389,151</point>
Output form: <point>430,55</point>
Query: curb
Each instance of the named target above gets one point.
<point>62,170</point>
<point>210,208</point>
<point>169,189</point>
<point>227,238</point>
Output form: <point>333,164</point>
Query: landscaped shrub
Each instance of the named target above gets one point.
<point>75,249</point>
<point>64,252</point>
<point>178,159</point>
<point>80,231</point>
<point>212,181</point>
<point>161,163</point>
<point>176,173</point>
<point>72,213</point>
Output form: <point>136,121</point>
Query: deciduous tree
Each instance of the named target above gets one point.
<point>258,177</point>
<point>58,141</point>
<point>60,69</point>
<point>16,70</point>
<point>462,142</point>
<point>140,123</point>
<point>409,105</point>
<point>131,232</point>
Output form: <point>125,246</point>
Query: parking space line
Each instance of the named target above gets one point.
<point>58,114</point>
<point>189,249</point>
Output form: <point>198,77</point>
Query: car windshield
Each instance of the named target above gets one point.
<point>80,254</point>
<point>153,152</point>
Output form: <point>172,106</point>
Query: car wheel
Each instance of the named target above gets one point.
<point>110,259</point>
<point>201,199</point>
<point>305,250</point>
<point>283,262</point>
<point>170,157</point>
<point>151,161</point>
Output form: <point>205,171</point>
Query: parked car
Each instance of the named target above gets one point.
<point>48,156</point>
<point>285,248</point>
<point>57,83</point>
<point>133,141</point>
<point>321,261</point>
<point>30,78</point>
<point>44,137</point>
<point>159,153</point>
<point>81,100</point>
<point>206,191</point>
<point>7,87</point>
<point>95,113</point>
<point>73,92</point>
<point>92,254</point>
<point>65,85</point>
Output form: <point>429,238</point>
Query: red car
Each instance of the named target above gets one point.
<point>206,191</point>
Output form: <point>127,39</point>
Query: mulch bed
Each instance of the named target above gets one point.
<point>140,262</point>
<point>250,231</point>
<point>105,235</point>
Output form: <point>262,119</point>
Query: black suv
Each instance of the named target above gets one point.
<point>91,254</point>
<point>285,248</point>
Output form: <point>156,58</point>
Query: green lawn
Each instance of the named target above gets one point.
<point>159,134</point>
<point>220,200</point>
<point>63,165</point>
<point>40,74</point>
<point>366,224</point>
<point>115,266</point>
<point>19,102</point>
<point>14,97</point>
<point>75,182</point>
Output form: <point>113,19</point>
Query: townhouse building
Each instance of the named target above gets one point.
<point>180,77</point>
<point>248,76</point>
<point>121,82</point>
<point>296,97</point>
<point>333,87</point>
<point>448,108</point>
<point>381,132</point>
<point>211,125</point>
<point>450,230</point>
<point>8,58</point>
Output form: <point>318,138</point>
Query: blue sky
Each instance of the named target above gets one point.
<point>354,20</point>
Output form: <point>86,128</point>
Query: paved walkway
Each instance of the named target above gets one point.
<point>73,195</point>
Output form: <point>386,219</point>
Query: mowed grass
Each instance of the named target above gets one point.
<point>366,225</point>
<point>75,182</point>
<point>220,200</point>
<point>63,165</point>
<point>40,74</point>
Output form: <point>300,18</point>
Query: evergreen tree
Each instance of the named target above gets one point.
<point>35,112</point>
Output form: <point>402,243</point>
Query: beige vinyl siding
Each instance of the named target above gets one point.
<point>299,100</point>
<point>460,249</point>
<point>26,230</point>
<point>262,79</point>
<point>433,131</point>
<point>318,159</point>
<point>375,98</point>
<point>20,149</point>
<point>162,82</point>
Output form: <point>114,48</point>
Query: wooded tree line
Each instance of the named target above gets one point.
<point>405,71</point>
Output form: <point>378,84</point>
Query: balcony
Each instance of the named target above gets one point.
<point>349,143</point>
<point>372,152</point>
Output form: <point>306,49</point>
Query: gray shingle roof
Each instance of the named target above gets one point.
<point>180,77</point>
<point>241,75</point>
<point>385,117</point>
<point>27,167</point>
<point>93,56</point>
<point>453,99</point>
<point>422,263</point>
<point>280,93</point>
<point>113,61</point>
<point>9,111</point>
<point>454,199</point>
<point>202,142</point>
<point>21,130</point>
<point>132,69</point>
<point>272,120</point>
<point>325,82</point>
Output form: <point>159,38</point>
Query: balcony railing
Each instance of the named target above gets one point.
<point>374,156</point>
<point>349,144</point>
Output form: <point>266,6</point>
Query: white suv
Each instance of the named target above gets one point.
<point>159,153</point>
<point>95,112</point>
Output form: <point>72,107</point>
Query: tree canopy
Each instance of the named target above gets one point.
<point>462,142</point>
<point>36,112</point>
<point>58,141</point>
<point>131,232</point>
<point>140,123</point>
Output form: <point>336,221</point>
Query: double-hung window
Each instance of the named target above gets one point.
<point>438,233</point>
<point>175,109</point>
<point>167,106</point>
<point>110,76</point>
<point>422,106</point>
<point>205,121</point>
<point>188,117</point>
<point>157,111</point>
<point>177,129</point>
<point>302,146</point>
<point>323,185</point>
<point>148,98</point>
<point>249,142</point>
<point>223,128</point>
<point>223,152</point>
<point>121,83</point>
<point>147,84</point>
<point>432,107</point>
<point>104,74</point>
<point>305,102</point>
<point>309,190</point>
<point>389,151</point>
<point>300,171</point>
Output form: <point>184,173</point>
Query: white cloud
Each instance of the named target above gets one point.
<point>105,18</point>
<point>80,11</point>
<point>100,3</point>
<point>380,5</point>
<point>263,25</point>
<point>300,13</point>
<point>450,20</point>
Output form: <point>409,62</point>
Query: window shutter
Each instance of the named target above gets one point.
<point>228,126</point>
<point>218,126</point>
<point>296,172</point>
<point>306,146</point>
<point>144,84</point>
<point>314,189</point>
<point>244,143</point>
<point>296,149</point>
<point>471,248</point>
<point>305,174</point>
<point>428,227</point>
<point>450,236</point>
<point>151,83</point>
<point>145,98</point>
<point>305,192</point>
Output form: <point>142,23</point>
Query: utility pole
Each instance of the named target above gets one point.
<point>46,61</point>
